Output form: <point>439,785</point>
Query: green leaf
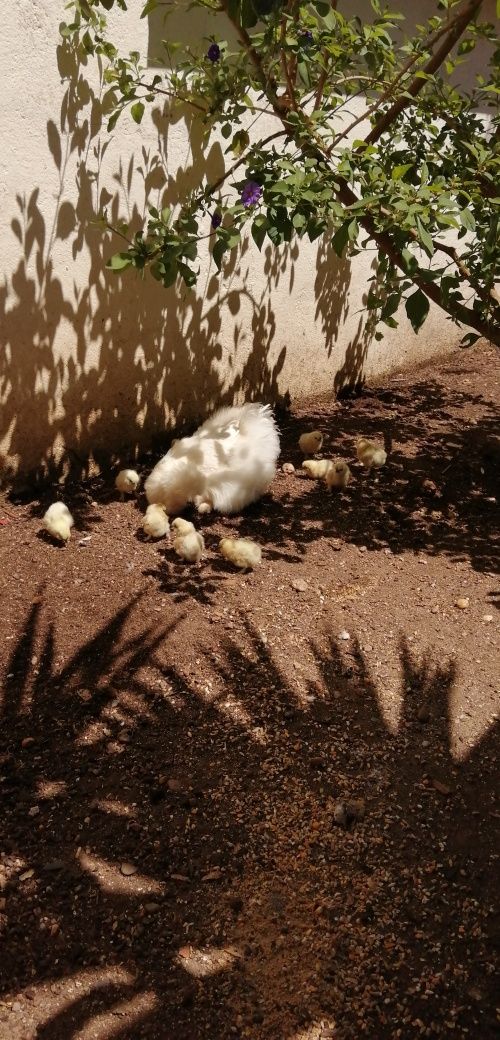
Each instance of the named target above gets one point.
<point>467,220</point>
<point>399,171</point>
<point>417,309</point>
<point>148,7</point>
<point>424,237</point>
<point>258,230</point>
<point>218,252</point>
<point>113,119</point>
<point>187,274</point>
<point>341,238</point>
<point>137,111</point>
<point>469,339</point>
<point>119,261</point>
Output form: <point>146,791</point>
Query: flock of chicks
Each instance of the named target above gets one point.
<point>336,472</point>
<point>187,542</point>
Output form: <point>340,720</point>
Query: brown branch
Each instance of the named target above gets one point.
<point>284,66</point>
<point>417,83</point>
<point>454,31</point>
<point>383,240</point>
<point>464,314</point>
<point>485,296</point>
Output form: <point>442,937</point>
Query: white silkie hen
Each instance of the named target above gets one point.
<point>229,462</point>
<point>155,523</point>
<point>58,521</point>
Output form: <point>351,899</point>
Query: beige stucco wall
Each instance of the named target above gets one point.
<point>95,364</point>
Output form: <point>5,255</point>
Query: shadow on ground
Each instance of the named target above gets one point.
<point>171,861</point>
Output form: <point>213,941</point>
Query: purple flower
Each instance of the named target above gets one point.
<point>306,37</point>
<point>213,53</point>
<point>251,193</point>
<point>216,219</point>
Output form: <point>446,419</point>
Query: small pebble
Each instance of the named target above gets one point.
<point>344,634</point>
<point>462,602</point>
<point>340,814</point>
<point>127,869</point>
<point>487,617</point>
<point>299,585</point>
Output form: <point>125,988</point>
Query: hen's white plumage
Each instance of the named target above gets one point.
<point>229,462</point>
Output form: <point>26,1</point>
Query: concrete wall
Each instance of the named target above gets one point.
<point>96,365</point>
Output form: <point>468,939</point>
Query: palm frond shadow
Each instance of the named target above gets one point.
<point>241,851</point>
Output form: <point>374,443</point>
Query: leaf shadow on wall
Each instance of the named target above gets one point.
<point>144,358</point>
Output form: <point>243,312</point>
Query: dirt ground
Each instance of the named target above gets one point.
<point>263,805</point>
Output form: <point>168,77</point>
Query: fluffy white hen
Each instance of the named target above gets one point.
<point>229,462</point>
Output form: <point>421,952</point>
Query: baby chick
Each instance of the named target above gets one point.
<point>317,468</point>
<point>370,453</point>
<point>155,523</point>
<point>188,542</point>
<point>182,526</point>
<point>58,521</point>
<point>241,551</point>
<point>339,475</point>
<point>126,481</point>
<point>310,443</point>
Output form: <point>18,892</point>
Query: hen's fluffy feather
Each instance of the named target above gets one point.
<point>229,462</point>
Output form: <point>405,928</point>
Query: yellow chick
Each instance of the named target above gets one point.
<point>155,523</point>
<point>182,526</point>
<point>310,443</point>
<point>126,481</point>
<point>241,551</point>
<point>190,547</point>
<point>58,521</point>
<point>317,468</point>
<point>370,453</point>
<point>339,475</point>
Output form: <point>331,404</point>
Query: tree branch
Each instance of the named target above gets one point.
<point>454,31</point>
<point>462,18</point>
